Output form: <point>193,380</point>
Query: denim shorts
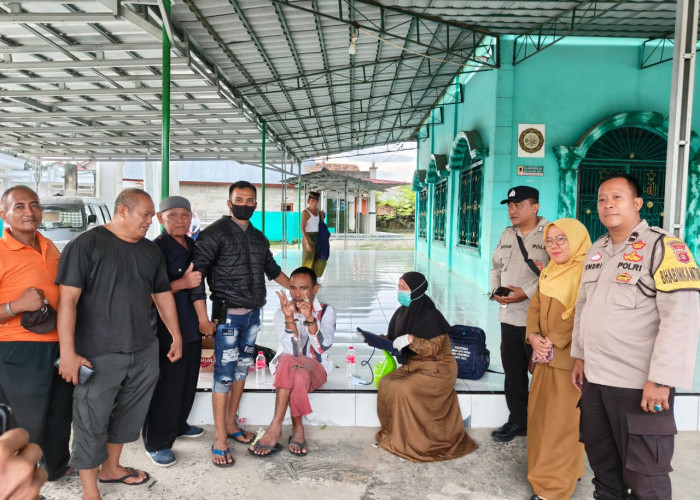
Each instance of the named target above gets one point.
<point>234,348</point>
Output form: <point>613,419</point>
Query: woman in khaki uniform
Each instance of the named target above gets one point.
<point>554,454</point>
<point>416,404</point>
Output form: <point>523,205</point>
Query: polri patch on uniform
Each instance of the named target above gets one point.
<point>672,277</point>
<point>623,277</point>
<point>633,257</point>
<point>638,245</point>
<point>596,257</point>
<point>679,250</point>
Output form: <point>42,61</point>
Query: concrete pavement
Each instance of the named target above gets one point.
<point>343,464</point>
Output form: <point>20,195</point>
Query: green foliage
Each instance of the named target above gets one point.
<point>401,205</point>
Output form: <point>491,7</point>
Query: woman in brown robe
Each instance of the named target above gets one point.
<point>416,404</point>
<point>554,454</point>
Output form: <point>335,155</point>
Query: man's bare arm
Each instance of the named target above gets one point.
<point>67,313</point>
<point>166,309</point>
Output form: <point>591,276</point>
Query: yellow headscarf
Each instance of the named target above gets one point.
<point>561,281</point>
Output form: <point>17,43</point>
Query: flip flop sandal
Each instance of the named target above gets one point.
<point>241,433</point>
<point>122,480</point>
<point>272,450</point>
<point>222,453</point>
<point>300,445</point>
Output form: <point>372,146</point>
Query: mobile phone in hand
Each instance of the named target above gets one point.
<point>502,291</point>
<point>84,373</point>
<point>7,420</point>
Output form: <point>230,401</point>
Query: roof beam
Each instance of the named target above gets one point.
<point>53,18</point>
<point>106,91</point>
<point>88,47</point>
<point>342,71</point>
<point>122,128</point>
<point>379,30</point>
<point>135,80</point>
<point>140,114</point>
<point>93,63</point>
<point>558,27</point>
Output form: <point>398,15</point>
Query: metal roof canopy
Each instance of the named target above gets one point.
<point>333,180</point>
<point>82,79</point>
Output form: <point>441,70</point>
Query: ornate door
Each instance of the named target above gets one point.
<point>633,150</point>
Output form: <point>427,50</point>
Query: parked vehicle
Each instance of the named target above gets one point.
<point>66,216</point>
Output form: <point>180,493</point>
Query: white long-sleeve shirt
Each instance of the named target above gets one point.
<point>313,346</point>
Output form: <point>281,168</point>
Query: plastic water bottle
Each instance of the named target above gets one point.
<point>350,362</point>
<point>260,368</point>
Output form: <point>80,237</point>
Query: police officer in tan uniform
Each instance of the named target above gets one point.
<point>634,340</point>
<point>511,271</point>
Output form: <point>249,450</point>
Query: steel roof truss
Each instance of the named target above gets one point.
<point>565,24</point>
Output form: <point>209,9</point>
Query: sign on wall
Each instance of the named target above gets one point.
<point>530,140</point>
<point>533,170</point>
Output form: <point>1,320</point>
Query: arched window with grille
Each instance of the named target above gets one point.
<point>470,189</point>
<point>440,210</point>
<point>423,213</point>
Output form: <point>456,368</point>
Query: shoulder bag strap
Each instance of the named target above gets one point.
<point>528,260</point>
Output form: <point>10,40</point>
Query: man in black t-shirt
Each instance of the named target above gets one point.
<point>107,277</point>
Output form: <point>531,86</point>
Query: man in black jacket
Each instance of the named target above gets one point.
<point>235,257</point>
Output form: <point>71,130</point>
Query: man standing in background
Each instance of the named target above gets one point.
<point>235,257</point>
<point>516,265</point>
<point>635,338</point>
<point>107,277</point>
<point>174,393</point>
<point>40,400</point>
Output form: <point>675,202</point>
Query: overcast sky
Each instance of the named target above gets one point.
<point>395,162</point>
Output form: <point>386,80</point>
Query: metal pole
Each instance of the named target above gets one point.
<point>299,210</point>
<point>680,116</point>
<point>264,133</point>
<point>284,204</point>
<point>358,212</point>
<point>165,112</point>
<point>346,217</point>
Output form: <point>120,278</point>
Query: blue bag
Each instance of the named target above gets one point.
<point>469,349</point>
<point>323,246</point>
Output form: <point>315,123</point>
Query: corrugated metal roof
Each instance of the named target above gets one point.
<point>82,79</point>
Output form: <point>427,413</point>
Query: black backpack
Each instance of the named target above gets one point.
<point>469,349</point>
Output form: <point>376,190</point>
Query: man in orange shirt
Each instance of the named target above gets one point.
<point>40,399</point>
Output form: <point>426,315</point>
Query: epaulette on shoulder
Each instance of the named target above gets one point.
<point>660,230</point>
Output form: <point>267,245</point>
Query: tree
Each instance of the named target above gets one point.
<point>396,209</point>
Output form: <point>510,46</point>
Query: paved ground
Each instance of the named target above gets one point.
<point>342,464</point>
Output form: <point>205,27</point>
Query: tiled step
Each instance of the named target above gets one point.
<point>347,409</point>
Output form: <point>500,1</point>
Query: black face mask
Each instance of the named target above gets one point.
<point>242,212</point>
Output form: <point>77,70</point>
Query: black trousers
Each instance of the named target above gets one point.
<point>40,399</point>
<point>627,447</point>
<point>515,357</point>
<point>173,398</point>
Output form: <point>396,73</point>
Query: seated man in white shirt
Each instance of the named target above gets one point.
<point>305,328</point>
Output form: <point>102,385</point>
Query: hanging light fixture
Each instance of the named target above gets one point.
<point>353,44</point>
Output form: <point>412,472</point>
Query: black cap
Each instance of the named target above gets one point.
<point>520,193</point>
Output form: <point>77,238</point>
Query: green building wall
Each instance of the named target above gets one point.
<point>569,88</point>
